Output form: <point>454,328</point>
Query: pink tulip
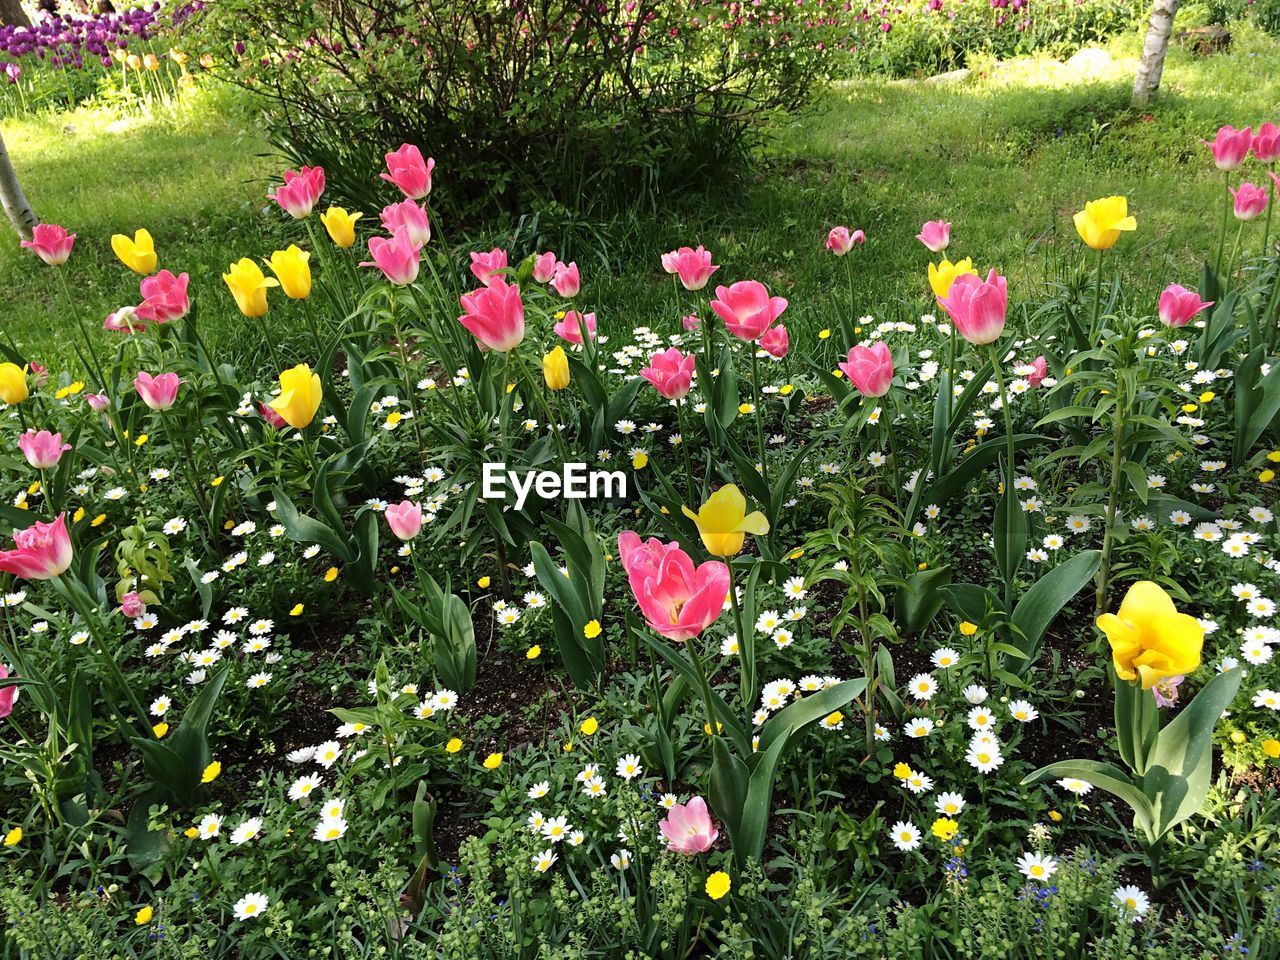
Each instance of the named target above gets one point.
<point>1230,147</point>
<point>158,393</point>
<point>43,551</point>
<point>870,369</point>
<point>408,171</point>
<point>43,450</point>
<point>51,243</point>
<point>396,256</point>
<point>840,241</point>
<point>404,519</point>
<point>977,307</point>
<point>775,342</point>
<point>747,309</point>
<point>300,191</point>
<point>269,415</point>
<point>39,374</point>
<point>408,215</point>
<point>164,297</point>
<point>678,600</point>
<point>97,401</point>
<point>670,372</point>
<point>1251,201</point>
<point>688,828</point>
<point>488,266</point>
<point>494,315</point>
<point>1266,143</point>
<point>124,320</point>
<point>1275,179</point>
<point>570,328</point>
<point>1039,370</point>
<point>544,267</point>
<point>131,605</point>
<point>566,280</point>
<point>693,267</point>
<point>691,322</point>
<point>1178,305</point>
<point>7,694</point>
<point>936,235</point>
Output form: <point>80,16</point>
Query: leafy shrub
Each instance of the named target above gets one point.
<point>930,36</point>
<point>615,101</point>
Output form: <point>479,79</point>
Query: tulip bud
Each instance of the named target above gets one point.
<point>555,369</point>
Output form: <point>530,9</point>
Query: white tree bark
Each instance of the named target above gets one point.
<point>12,199</point>
<point>1154,48</point>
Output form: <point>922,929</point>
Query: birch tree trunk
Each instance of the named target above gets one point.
<point>12,199</point>
<point>1154,48</point>
<point>11,12</point>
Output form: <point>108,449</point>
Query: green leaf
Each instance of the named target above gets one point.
<point>1106,777</point>
<point>1045,599</point>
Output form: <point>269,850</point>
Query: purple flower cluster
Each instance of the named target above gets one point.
<point>68,41</point>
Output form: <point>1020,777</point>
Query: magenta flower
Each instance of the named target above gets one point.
<point>571,327</point>
<point>159,392</point>
<point>51,243</point>
<point>1230,147</point>
<point>97,401</point>
<point>869,369</point>
<point>408,171</point>
<point>670,372</point>
<point>693,267</point>
<point>494,315</point>
<point>775,342</point>
<point>43,551</point>
<point>544,267</point>
<point>566,280</point>
<point>688,828</point>
<point>404,519</point>
<point>124,320</point>
<point>977,307</point>
<point>1250,201</point>
<point>396,256</point>
<point>164,297</point>
<point>300,191</point>
<point>677,599</point>
<point>747,309</point>
<point>1039,370</point>
<point>8,695</point>
<point>132,606</point>
<point>936,235</point>
<point>488,266</point>
<point>410,217</point>
<point>1178,305</point>
<point>43,450</point>
<point>840,241</point>
<point>1266,143</point>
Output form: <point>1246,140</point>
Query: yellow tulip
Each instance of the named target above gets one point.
<point>138,254</point>
<point>292,269</point>
<point>13,383</point>
<point>1150,640</point>
<point>340,225</point>
<point>299,398</point>
<point>723,521</point>
<point>249,285</point>
<point>1101,221</point>
<point>555,369</point>
<point>943,274</point>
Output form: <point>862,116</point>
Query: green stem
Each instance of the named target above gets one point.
<point>1009,470</point>
<point>684,449</point>
<point>759,412</point>
<point>1097,300</point>
<point>746,645</point>
<point>1226,211</point>
<point>1102,580</point>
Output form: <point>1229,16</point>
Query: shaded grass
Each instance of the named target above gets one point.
<point>1007,156</point>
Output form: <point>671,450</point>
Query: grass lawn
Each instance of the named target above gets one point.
<point>1007,156</point>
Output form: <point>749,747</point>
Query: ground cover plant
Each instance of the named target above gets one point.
<point>922,602</point>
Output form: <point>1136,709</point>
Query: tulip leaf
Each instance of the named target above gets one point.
<point>1176,780</point>
<point>1042,603</point>
<point>1106,777</point>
